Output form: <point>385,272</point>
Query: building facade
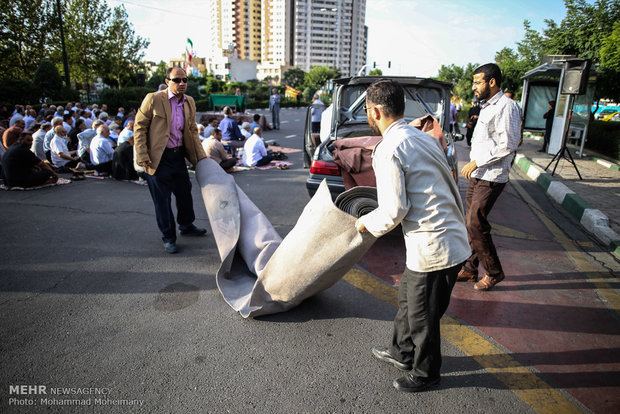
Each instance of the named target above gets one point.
<point>282,34</point>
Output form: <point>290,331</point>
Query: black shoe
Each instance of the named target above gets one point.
<point>411,383</point>
<point>170,247</point>
<point>384,355</point>
<point>194,231</point>
<point>541,150</point>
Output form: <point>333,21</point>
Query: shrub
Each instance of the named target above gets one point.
<point>18,91</point>
<point>125,97</point>
<point>604,138</point>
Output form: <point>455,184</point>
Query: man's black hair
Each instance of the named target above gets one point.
<point>390,95</point>
<point>66,117</point>
<point>256,117</point>
<point>490,71</point>
<point>78,122</point>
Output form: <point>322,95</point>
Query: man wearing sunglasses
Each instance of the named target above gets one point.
<point>165,134</point>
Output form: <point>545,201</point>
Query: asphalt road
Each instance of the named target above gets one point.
<point>90,302</point>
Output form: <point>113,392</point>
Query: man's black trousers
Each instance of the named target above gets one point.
<point>422,300</point>
<point>171,177</point>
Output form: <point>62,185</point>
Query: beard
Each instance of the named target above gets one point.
<point>373,127</point>
<point>484,93</point>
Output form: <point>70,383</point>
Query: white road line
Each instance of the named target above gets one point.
<point>290,136</point>
<point>284,122</point>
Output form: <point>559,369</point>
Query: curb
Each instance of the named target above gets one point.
<point>606,164</point>
<point>593,220</point>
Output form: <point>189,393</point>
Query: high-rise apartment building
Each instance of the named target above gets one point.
<point>330,33</point>
<point>281,34</point>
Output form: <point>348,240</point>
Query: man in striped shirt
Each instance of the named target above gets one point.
<point>493,146</point>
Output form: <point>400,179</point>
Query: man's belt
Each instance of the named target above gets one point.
<point>175,149</point>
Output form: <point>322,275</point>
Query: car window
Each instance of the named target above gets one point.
<point>419,102</point>
<point>351,94</point>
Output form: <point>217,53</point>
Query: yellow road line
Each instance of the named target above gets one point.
<point>499,230</point>
<point>539,395</point>
<point>593,273</point>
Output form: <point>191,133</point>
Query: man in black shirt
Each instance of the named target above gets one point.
<point>122,161</point>
<point>21,168</point>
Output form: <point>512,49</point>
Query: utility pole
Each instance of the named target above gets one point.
<point>65,61</point>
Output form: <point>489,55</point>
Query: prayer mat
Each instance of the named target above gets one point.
<point>274,164</point>
<point>61,181</point>
<point>261,273</point>
<point>283,149</point>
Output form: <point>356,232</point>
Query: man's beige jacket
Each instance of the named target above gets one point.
<point>152,130</point>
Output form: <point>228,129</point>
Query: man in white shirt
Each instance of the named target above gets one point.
<point>415,188</point>
<point>211,125</point>
<point>101,150</point>
<point>84,139</point>
<point>37,141</point>
<point>18,114</point>
<point>493,146</point>
<point>317,110</point>
<point>57,121</point>
<point>30,117</point>
<point>60,154</point>
<point>254,151</point>
<point>126,133</point>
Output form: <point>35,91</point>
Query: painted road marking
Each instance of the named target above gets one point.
<point>284,122</point>
<point>504,231</point>
<point>290,136</point>
<point>610,296</point>
<point>535,392</point>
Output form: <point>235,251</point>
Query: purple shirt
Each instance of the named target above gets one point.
<point>177,123</point>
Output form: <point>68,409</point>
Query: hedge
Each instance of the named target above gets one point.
<point>604,138</point>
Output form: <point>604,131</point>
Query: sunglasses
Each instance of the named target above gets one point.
<point>178,80</point>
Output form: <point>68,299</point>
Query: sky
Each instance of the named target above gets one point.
<point>417,37</point>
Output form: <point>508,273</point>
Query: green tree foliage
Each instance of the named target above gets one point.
<point>318,75</point>
<point>124,50</point>
<point>376,72</point>
<point>583,29</point>
<point>85,24</point>
<point>294,77</point>
<point>24,33</point>
<point>47,79</point>
<point>610,49</point>
<point>513,68</point>
<point>461,79</point>
<point>584,33</point>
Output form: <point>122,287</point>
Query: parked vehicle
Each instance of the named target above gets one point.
<point>614,116</point>
<point>346,118</point>
<point>604,112</point>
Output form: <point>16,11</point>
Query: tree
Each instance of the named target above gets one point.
<point>460,77</point>
<point>294,77</point>
<point>85,31</point>
<point>532,48</point>
<point>124,50</point>
<point>608,82</point>
<point>24,30</point>
<point>610,49</point>
<point>47,79</point>
<point>318,75</point>
<point>375,72</point>
<point>513,68</point>
<point>584,33</point>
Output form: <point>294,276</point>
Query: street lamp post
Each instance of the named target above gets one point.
<point>65,61</point>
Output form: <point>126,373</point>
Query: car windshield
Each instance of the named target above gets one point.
<point>419,102</point>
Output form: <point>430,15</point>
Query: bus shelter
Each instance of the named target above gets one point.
<point>543,84</point>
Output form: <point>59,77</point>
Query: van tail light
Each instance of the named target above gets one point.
<point>324,168</point>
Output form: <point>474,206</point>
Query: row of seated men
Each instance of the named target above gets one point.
<point>51,147</point>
